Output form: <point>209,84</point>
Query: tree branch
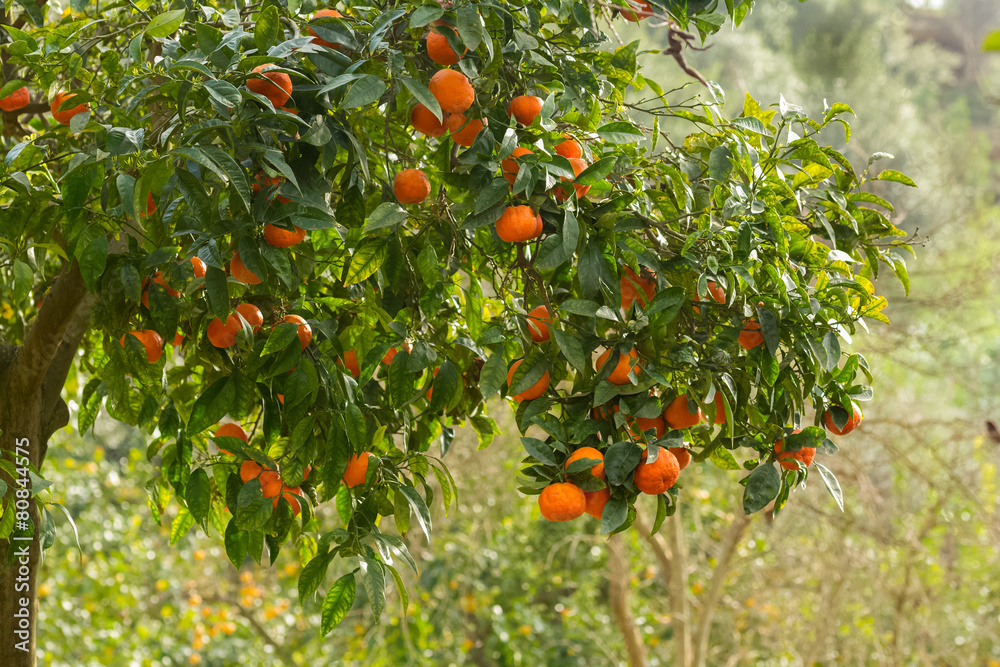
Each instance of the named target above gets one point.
<point>618,577</point>
<point>43,339</point>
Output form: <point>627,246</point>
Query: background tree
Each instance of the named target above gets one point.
<point>177,157</point>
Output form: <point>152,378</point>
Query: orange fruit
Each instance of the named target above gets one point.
<point>319,40</point>
<point>351,363</point>
<point>657,477</point>
<point>289,493</point>
<point>464,136</point>
<point>391,354</point>
<point>750,337</point>
<point>242,273</point>
<point>562,501</point>
<point>272,183</point>
<point>634,286</point>
<point>411,186</point>
<point>452,90</point>
<point>852,422</point>
<point>589,453</point>
<point>178,339</point>
<point>787,459</point>
<point>251,314</point>
<point>678,416</point>
<point>637,10</point>
<point>150,340</point>
<point>231,430</point>
<point>682,455</point>
<point>270,484</point>
<point>439,49</point>
<point>150,205</point>
<point>283,238</point>
<point>532,392</point>
<point>159,280</point>
<point>510,167</point>
<point>656,423</point>
<point>720,409</point>
<point>305,331</point>
<point>249,470</point>
<point>539,320</point>
<point>357,469</point>
<point>224,335</point>
<point>275,86</point>
<point>16,100</point>
<point>63,114</point>
<point>569,149</point>
<point>716,292</point>
<point>518,223</point>
<point>525,108</point>
<point>625,363</point>
<point>199,267</point>
<point>596,500</point>
<point>424,121</point>
<point>561,193</point>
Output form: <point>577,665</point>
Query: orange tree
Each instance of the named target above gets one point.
<point>297,248</point>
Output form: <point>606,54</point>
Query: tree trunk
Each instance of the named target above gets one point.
<point>619,577</point>
<point>679,611</point>
<point>31,410</point>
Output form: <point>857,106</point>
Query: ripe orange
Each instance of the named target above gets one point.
<point>159,280</point>
<point>656,423</point>
<point>411,186</point>
<point>720,409</point>
<point>657,477</point>
<point>750,336</point>
<point>625,363</point>
<point>532,392</point>
<point>637,10</point>
<point>439,49</point>
<point>63,114</point>
<point>562,501</point>
<point>518,223</point>
<point>283,238</point>
<point>351,363</point>
<point>525,108</point>
<point>272,183</point>
<point>589,453</point>
<point>452,90</point>
<point>424,121</point>
<point>569,149</point>
<point>682,455</point>
<point>150,340</point>
<point>178,339</point>
<point>16,100</point>
<point>391,354</point>
<point>539,320</point>
<point>561,192</point>
<point>270,484</point>
<point>716,292</point>
<point>275,86</point>
<point>289,493</point>
<point>357,469</point>
<point>251,314</point>
<point>249,470</point>
<point>852,422</point>
<point>787,459</point>
<point>199,267</point>
<point>634,286</point>
<point>305,331</point>
<point>319,40</point>
<point>150,205</point>
<point>510,167</point>
<point>464,136</point>
<point>596,500</point>
<point>224,335</point>
<point>242,273</point>
<point>231,430</point>
<point>678,416</point>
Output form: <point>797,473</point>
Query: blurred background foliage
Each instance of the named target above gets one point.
<point>907,575</point>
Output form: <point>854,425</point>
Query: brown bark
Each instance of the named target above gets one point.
<point>619,577</point>
<point>31,409</point>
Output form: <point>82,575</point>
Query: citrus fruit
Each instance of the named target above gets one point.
<point>569,149</point>
<point>852,422</point>
<point>439,49</point>
<point>532,392</point>
<point>561,192</point>
<point>562,501</point>
<point>625,364</point>
<point>682,455</point>
<point>462,133</point>
<point>323,13</point>
<point>411,186</point>
<point>305,331</point>
<point>788,459</point>
<point>242,273</point>
<point>283,238</point>
<point>525,108</point>
<point>589,453</point>
<point>510,167</point>
<point>452,90</point>
<point>275,86</point>
<point>750,336</point>
<point>657,477</point>
<point>16,100</point>
<point>64,113</point>
<point>596,500</point>
<point>636,287</point>
<point>678,416</point>
<point>518,223</point>
<point>424,121</point>
<point>357,469</point>
<point>539,320</point>
<point>150,340</point>
<point>251,314</point>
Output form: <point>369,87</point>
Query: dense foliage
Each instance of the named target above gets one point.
<point>412,317</point>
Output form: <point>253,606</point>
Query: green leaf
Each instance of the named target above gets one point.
<point>598,171</point>
<point>374,581</point>
<point>724,459</point>
<point>237,543</point>
<point>92,261</point>
<point>357,428</point>
<point>493,375</point>
<point>762,486</point>
<point>165,24</point>
<point>492,194</point>
<point>313,574</point>
<point>896,177</point>
<point>423,15</point>
<point>571,348</point>
<point>992,41</point>
<point>620,460</point>
<point>364,91</point>
<point>668,301</point>
<point>198,494</point>
<point>265,32</point>
<point>386,214</point>
<point>614,515</point>
<point>423,95</point>
<point>831,484</point>
<point>620,132</point>
<point>470,26</point>
<point>337,603</point>
<point>212,405</point>
<point>181,525</point>
<point>419,508</point>
<point>720,163</point>
<point>367,259</point>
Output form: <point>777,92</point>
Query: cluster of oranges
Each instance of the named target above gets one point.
<point>60,107</point>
